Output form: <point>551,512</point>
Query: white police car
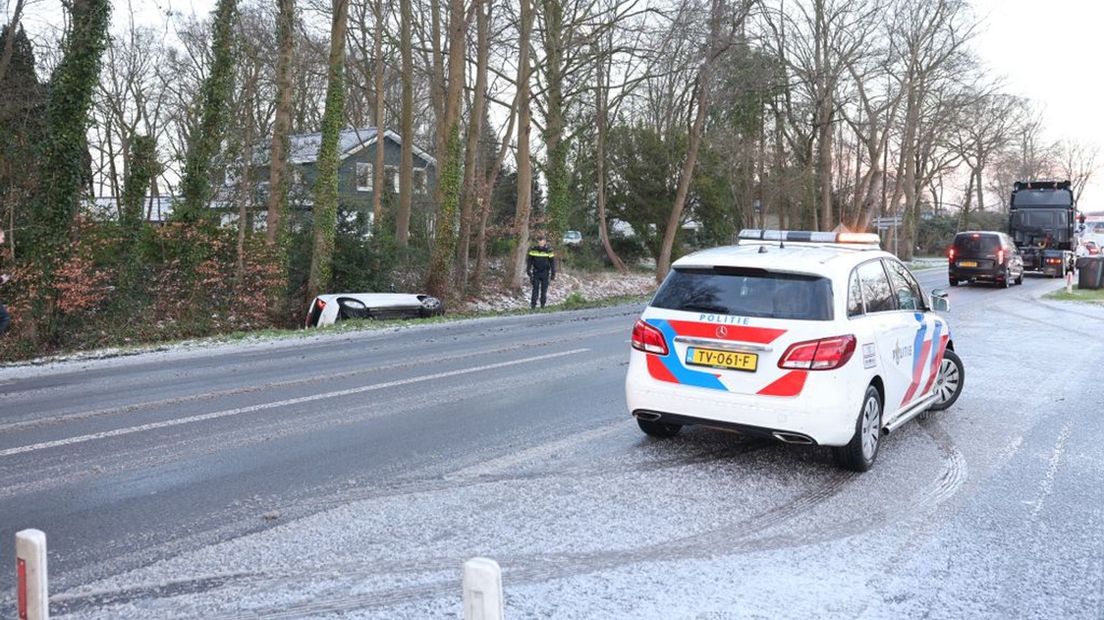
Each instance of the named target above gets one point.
<point>805,337</point>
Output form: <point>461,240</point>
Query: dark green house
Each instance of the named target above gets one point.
<point>357,148</point>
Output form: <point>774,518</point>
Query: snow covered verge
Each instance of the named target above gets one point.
<point>580,286</point>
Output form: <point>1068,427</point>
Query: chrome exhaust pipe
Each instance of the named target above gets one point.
<point>792,438</point>
<point>647,416</point>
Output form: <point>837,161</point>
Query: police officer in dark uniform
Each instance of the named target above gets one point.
<point>540,266</point>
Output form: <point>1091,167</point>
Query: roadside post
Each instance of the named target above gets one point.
<point>483,590</point>
<point>32,593</point>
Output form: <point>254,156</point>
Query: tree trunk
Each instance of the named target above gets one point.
<point>377,169</point>
<point>281,129</point>
<point>980,187</point>
<point>402,219</point>
<point>524,169</point>
<point>705,76</point>
<point>484,190</point>
<point>555,140</point>
<point>326,185</point>
<point>475,130</point>
<point>964,215</point>
<point>245,198</point>
<point>441,256</point>
<point>9,44</point>
<point>601,98</point>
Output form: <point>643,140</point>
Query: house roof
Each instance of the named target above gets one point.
<point>303,148</point>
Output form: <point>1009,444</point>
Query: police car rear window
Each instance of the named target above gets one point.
<point>747,292</point>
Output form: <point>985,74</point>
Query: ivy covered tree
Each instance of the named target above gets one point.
<point>205,140</point>
<point>65,162</point>
<point>325,186</point>
<point>141,169</point>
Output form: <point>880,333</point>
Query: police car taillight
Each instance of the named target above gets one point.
<point>823,354</point>
<point>648,339</point>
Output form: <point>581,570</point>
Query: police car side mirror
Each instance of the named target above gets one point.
<point>939,301</point>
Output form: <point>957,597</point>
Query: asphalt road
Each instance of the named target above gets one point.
<point>351,475</point>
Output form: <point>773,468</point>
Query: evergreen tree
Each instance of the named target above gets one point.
<point>22,131</point>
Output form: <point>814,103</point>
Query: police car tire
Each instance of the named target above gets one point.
<point>851,456</point>
<point>954,359</point>
<point>658,429</point>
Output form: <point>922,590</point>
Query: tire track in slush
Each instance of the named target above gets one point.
<point>720,541</point>
<point>760,533</point>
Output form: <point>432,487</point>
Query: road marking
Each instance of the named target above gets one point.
<point>139,406</point>
<point>281,403</point>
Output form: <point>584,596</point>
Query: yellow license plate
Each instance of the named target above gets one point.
<point>722,359</point>
<point>967,263</point>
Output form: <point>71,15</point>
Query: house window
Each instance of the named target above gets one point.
<point>419,180</point>
<point>391,173</point>
<point>364,177</point>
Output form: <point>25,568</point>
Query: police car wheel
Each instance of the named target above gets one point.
<point>949,381</point>
<point>859,454</point>
<point>658,429</point>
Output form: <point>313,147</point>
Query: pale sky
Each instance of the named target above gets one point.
<point>1051,52</point>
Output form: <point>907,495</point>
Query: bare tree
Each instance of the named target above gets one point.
<point>524,164</point>
<point>475,132</point>
<point>278,161</point>
<point>402,223</point>
<point>930,39</point>
<point>720,37</point>
<point>1077,162</point>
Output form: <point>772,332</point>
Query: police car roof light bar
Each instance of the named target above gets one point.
<point>809,236</point>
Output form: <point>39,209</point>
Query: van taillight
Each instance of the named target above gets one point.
<point>1000,257</point>
<point>823,354</point>
<point>648,339</point>
<point>951,254</point>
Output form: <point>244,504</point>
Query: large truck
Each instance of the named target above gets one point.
<point>1042,219</point>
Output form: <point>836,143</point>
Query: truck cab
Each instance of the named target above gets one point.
<point>1041,222</point>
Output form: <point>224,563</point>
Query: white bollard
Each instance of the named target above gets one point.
<point>483,590</point>
<point>30,563</point>
<point>1069,282</point>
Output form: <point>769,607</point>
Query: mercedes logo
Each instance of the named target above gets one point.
<point>722,332</point>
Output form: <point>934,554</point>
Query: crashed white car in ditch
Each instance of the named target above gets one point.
<point>330,309</point>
